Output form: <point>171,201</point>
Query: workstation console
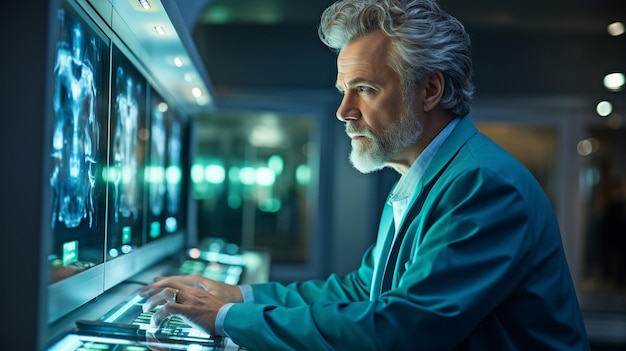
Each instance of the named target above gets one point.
<point>123,85</point>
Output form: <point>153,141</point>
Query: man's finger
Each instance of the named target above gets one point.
<point>159,316</point>
<point>157,299</point>
<point>166,311</point>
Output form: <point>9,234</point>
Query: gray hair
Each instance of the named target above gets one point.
<point>424,39</point>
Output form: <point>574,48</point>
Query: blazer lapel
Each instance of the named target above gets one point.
<point>450,147</point>
<point>385,237</point>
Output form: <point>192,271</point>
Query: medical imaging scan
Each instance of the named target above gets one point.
<point>76,133</point>
<point>156,164</point>
<point>78,149</point>
<point>174,168</point>
<point>164,175</point>
<point>173,176</point>
<point>126,159</point>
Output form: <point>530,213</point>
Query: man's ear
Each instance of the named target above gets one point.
<point>433,90</point>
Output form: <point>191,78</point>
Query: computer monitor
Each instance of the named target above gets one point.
<point>127,157</point>
<point>116,198</point>
<point>175,209</point>
<point>164,173</point>
<point>76,145</point>
<point>137,187</point>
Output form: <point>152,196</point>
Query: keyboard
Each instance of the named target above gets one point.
<point>129,321</point>
<point>80,342</point>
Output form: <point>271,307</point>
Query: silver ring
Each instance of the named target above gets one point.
<point>175,295</point>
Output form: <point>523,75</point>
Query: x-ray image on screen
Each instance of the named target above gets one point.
<point>156,164</point>
<point>126,159</point>
<point>78,145</point>
<point>164,170</point>
<point>173,177</point>
<point>155,171</point>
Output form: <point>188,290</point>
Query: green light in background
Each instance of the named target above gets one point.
<point>154,174</point>
<point>217,14</point>
<point>214,174</point>
<point>303,174</point>
<point>234,201</point>
<point>270,205</point>
<point>233,174</point>
<point>247,175</point>
<point>276,164</point>
<point>265,176</point>
<point>173,175</point>
<point>197,173</point>
<point>110,174</point>
<point>127,174</point>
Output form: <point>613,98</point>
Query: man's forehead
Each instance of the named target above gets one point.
<point>372,47</point>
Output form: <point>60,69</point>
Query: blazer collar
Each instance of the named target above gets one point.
<point>459,136</point>
<point>464,130</point>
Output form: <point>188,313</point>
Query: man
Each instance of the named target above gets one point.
<point>468,254</point>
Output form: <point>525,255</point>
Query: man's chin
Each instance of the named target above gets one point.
<point>365,165</point>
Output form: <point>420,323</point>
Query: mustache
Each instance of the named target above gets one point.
<point>353,129</point>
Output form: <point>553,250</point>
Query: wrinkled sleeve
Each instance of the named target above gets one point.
<point>469,249</point>
<point>350,287</point>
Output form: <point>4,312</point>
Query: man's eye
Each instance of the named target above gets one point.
<point>363,89</point>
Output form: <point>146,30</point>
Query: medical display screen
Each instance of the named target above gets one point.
<point>125,174</point>
<point>156,167</point>
<point>163,172</point>
<point>77,146</point>
<point>174,177</point>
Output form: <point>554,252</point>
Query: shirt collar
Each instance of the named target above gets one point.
<point>408,182</point>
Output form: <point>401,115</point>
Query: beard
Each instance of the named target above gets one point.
<point>373,152</point>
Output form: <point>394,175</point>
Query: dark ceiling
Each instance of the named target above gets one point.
<point>519,47</point>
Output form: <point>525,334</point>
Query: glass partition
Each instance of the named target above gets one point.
<point>602,183</point>
<point>252,177</point>
<point>533,145</point>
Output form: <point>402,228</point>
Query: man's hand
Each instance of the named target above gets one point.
<point>194,298</point>
<point>226,292</point>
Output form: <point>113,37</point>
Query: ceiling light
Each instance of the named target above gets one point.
<point>202,101</point>
<point>160,30</point>
<point>265,136</point>
<point>588,146</point>
<point>178,62</point>
<point>614,81</point>
<point>616,29</point>
<point>145,4</point>
<point>604,108</point>
<point>196,92</point>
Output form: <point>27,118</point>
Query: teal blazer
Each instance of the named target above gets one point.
<point>477,264</point>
